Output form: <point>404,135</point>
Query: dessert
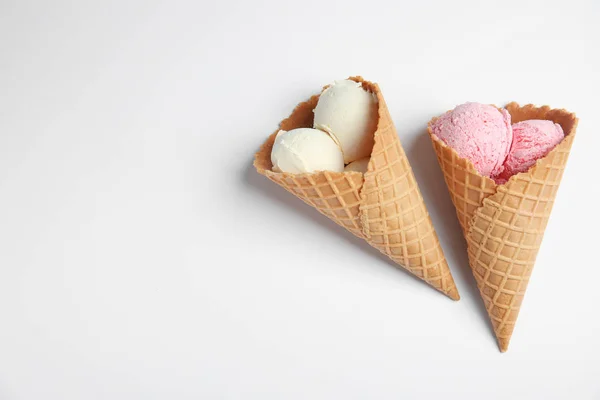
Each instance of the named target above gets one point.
<point>504,223</point>
<point>478,132</point>
<point>305,150</point>
<point>349,114</point>
<point>532,140</point>
<point>360,165</point>
<point>383,206</point>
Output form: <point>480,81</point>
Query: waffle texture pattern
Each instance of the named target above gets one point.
<point>383,206</point>
<point>504,224</point>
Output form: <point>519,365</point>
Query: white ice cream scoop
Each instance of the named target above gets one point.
<point>305,150</point>
<point>358,165</point>
<point>349,114</point>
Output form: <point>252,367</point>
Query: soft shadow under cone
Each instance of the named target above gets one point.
<point>504,224</point>
<point>384,206</point>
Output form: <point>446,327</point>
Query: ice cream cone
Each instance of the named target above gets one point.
<point>383,206</point>
<point>504,224</point>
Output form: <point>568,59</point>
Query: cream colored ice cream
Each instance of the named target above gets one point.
<point>305,150</point>
<point>349,114</point>
<point>358,165</point>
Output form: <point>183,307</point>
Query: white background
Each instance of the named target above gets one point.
<point>142,257</point>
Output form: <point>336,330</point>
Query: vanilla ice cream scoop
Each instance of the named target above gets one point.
<point>358,165</point>
<point>305,150</point>
<point>349,114</point>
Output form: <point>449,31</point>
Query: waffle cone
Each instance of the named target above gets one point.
<point>504,224</point>
<point>383,206</point>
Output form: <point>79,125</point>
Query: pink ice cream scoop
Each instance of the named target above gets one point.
<point>478,132</point>
<point>532,140</point>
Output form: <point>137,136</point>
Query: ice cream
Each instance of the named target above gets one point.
<point>504,224</point>
<point>532,140</point>
<point>305,150</point>
<point>358,165</point>
<point>384,206</point>
<point>349,114</point>
<point>478,132</point>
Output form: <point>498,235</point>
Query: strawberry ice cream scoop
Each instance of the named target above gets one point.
<point>478,132</point>
<point>532,140</point>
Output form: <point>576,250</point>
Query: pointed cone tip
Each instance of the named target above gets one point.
<point>453,294</point>
<point>503,344</point>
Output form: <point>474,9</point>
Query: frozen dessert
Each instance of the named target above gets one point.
<point>349,114</point>
<point>478,132</point>
<point>503,221</point>
<point>532,140</point>
<point>345,120</point>
<point>384,206</point>
<point>483,135</point>
<point>358,165</point>
<point>305,150</point>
